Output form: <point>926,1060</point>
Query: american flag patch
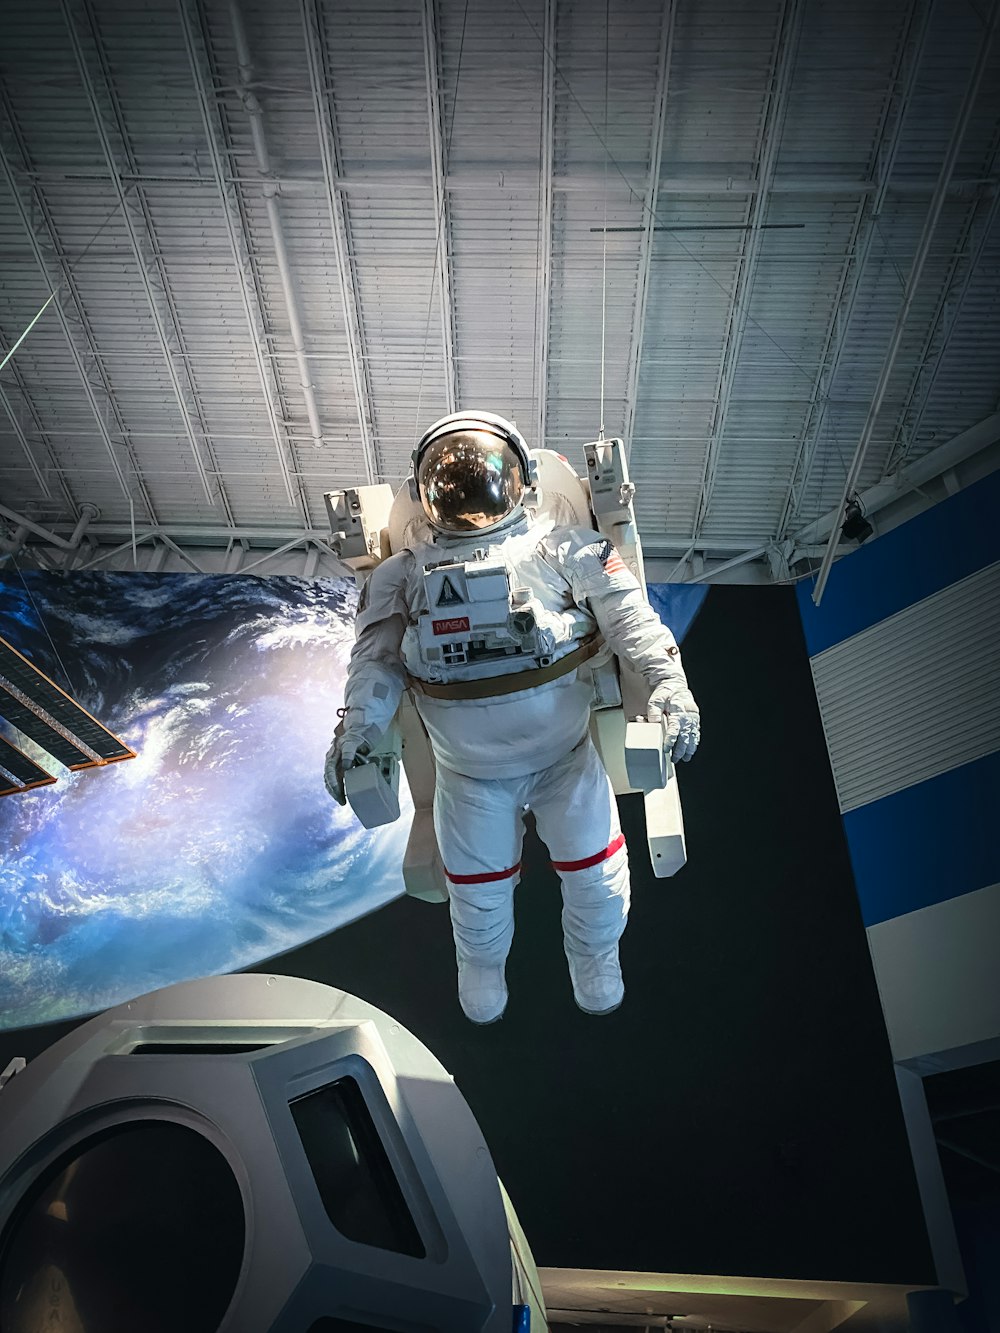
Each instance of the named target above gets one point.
<point>610,559</point>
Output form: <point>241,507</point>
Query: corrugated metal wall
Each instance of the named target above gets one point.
<point>905,655</point>
<point>916,694</point>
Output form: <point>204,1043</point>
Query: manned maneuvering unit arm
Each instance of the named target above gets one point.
<point>370,523</point>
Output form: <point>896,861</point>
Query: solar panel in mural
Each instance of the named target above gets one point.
<point>48,716</point>
<point>18,772</point>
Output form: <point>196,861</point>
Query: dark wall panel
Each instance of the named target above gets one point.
<point>738,1115</point>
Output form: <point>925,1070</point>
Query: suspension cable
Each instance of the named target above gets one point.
<point>604,255</point>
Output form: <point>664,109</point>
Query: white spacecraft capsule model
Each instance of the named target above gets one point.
<point>251,1154</point>
<point>491,631</point>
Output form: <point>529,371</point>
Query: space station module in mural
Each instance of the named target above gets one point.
<point>507,655</point>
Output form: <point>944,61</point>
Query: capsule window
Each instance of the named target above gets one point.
<point>351,1167</point>
<point>139,1226</point>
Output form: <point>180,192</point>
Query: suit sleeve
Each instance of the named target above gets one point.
<point>602,582</point>
<point>376,677</point>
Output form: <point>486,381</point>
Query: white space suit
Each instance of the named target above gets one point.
<point>520,748</point>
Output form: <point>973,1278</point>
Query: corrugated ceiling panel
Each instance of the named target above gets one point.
<point>491,65</point>
<point>495,245</point>
<point>845,53</point>
<point>144,50</point>
<point>376,61</point>
<point>575,321</point>
<point>953,42</point>
<point>721,63</point>
<point>499,134</point>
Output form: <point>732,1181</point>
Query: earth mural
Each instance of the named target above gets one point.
<point>218,846</point>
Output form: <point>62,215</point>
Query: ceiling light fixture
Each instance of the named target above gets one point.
<point>855,525</point>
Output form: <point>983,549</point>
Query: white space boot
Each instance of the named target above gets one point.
<point>597,981</point>
<point>482,992</point>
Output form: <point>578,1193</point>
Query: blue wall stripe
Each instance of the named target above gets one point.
<point>940,546</point>
<point>677,604</point>
<point>927,843</point>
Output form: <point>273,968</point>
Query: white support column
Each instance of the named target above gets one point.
<point>439,172</point>
<point>546,195</point>
<point>94,393</point>
<point>904,78</point>
<point>739,310</point>
<point>912,283</point>
<point>135,214</point>
<point>195,42</point>
<point>326,127</point>
<point>649,217</point>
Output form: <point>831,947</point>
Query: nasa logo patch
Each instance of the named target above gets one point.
<point>459,625</point>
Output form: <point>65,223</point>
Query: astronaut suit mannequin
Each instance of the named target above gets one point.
<point>526,748</point>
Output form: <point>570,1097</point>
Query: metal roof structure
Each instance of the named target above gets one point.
<point>286,235</point>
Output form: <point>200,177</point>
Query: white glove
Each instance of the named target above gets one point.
<point>344,752</point>
<point>683,720</point>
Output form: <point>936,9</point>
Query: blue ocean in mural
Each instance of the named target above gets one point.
<point>218,846</point>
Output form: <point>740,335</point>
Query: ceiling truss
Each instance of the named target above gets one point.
<point>546,188</point>
<point>772,122</point>
<point>79,339</point>
<point>912,283</point>
<point>964,265</point>
<point>201,70</point>
<point>135,215</point>
<point>649,216</point>
<point>326,125</point>
<point>442,218</point>
<point>866,221</point>
<point>287,190</point>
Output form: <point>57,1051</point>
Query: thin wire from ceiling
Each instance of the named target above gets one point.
<point>635,191</point>
<point>435,267</point>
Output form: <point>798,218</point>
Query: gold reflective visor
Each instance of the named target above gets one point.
<point>469,480</point>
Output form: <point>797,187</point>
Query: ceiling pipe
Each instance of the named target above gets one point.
<point>11,545</point>
<point>88,513</point>
<point>256,113</point>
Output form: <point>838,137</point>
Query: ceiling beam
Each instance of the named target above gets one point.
<point>18,429</point>
<point>138,225</point>
<point>207,534</point>
<point>196,45</point>
<point>649,216</point>
<point>772,123</point>
<point>252,106</point>
<point>522,176</point>
<point>912,283</point>
<point>809,541</point>
<point>903,78</point>
<point>744,558</point>
<point>320,85</point>
<point>79,354</point>
<point>543,291</point>
<point>983,435</point>
<point>976,232</point>
<point>442,212</point>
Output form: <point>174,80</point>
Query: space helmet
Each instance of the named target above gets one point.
<point>471,471</point>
